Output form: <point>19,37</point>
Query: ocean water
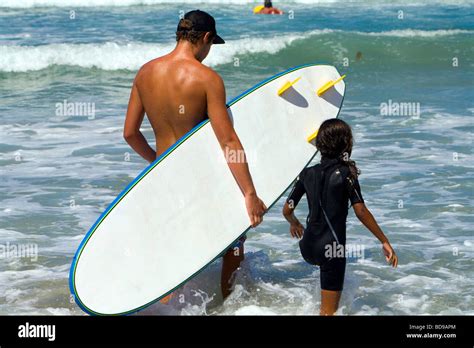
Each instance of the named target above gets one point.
<point>58,173</point>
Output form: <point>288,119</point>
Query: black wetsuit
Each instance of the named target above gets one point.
<point>329,185</point>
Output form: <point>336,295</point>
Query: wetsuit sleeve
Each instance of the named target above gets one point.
<point>297,191</point>
<point>353,187</point>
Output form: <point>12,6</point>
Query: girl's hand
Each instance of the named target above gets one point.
<point>296,230</point>
<point>390,255</point>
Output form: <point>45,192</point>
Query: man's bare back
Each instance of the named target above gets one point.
<point>173,93</point>
<point>177,92</point>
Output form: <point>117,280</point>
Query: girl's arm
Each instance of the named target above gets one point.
<point>366,217</point>
<point>296,228</point>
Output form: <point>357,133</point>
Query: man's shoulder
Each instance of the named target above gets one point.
<point>209,75</point>
<point>198,72</point>
<point>148,67</point>
<point>152,64</point>
<point>210,79</point>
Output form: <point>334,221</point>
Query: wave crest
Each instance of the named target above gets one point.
<point>130,56</point>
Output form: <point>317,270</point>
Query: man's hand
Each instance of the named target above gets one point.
<point>255,209</point>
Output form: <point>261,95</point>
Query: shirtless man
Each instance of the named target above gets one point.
<point>269,9</point>
<point>177,92</point>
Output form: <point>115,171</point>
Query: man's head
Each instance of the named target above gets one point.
<point>268,4</point>
<point>199,28</point>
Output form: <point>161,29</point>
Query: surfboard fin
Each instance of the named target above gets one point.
<point>312,137</point>
<point>287,86</point>
<point>329,85</point>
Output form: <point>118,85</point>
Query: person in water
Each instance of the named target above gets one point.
<point>329,186</point>
<point>269,9</point>
<point>177,92</point>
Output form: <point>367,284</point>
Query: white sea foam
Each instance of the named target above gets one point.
<point>254,310</point>
<point>107,56</point>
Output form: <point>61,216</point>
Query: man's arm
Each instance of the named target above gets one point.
<point>131,130</point>
<point>230,144</point>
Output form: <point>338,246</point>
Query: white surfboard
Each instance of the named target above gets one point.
<point>186,208</point>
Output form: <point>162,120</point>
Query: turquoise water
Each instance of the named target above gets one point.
<point>60,172</point>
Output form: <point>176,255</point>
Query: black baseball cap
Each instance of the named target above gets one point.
<point>203,21</point>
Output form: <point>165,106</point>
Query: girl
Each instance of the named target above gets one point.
<point>328,187</point>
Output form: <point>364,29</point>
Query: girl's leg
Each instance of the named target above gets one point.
<point>329,301</point>
<point>332,281</point>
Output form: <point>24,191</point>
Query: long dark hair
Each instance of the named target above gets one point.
<point>334,141</point>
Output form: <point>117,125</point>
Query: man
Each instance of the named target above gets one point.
<point>269,9</point>
<point>177,92</point>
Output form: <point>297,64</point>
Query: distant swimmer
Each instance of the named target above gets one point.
<point>269,9</point>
